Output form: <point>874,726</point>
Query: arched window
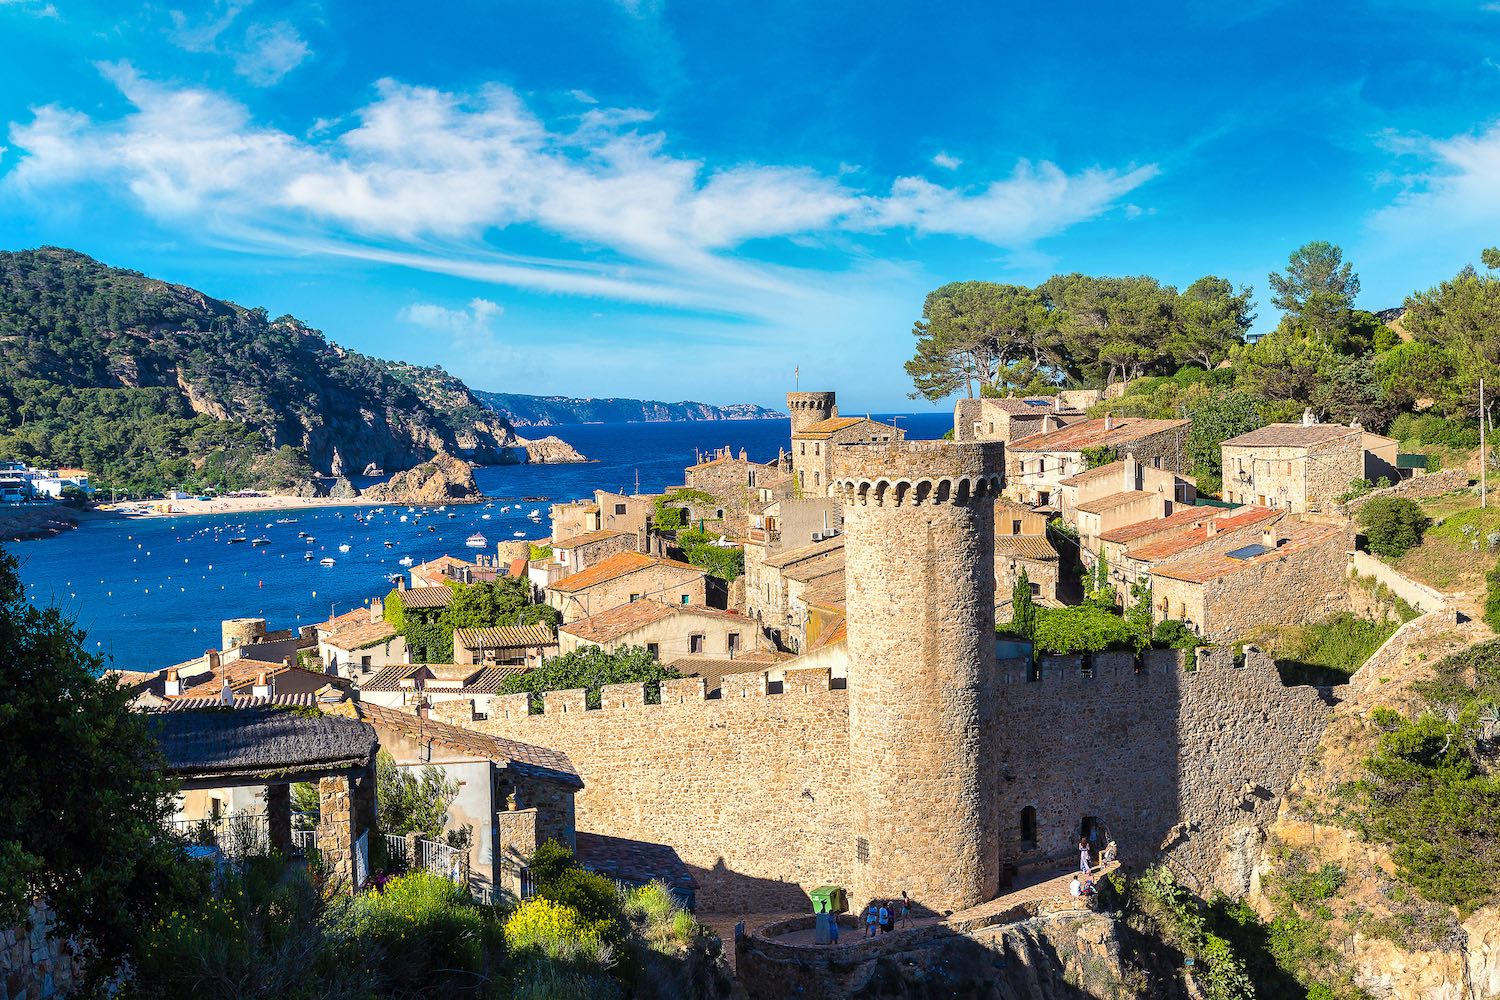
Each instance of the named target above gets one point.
<point>1028,825</point>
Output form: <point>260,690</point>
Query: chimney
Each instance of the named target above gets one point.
<point>212,656</point>
<point>377,609</point>
<point>173,687</point>
<point>1132,473</point>
<point>1109,421</point>
<point>1268,538</point>
<point>226,693</point>
<point>1307,417</point>
<point>401,582</point>
<point>1048,424</point>
<point>263,686</point>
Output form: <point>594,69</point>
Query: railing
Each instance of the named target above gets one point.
<point>238,835</point>
<point>395,847</point>
<point>305,840</point>
<point>435,857</point>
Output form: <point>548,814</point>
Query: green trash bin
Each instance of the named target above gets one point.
<point>828,899</point>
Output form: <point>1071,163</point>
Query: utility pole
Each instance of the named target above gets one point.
<point>1484,456</point>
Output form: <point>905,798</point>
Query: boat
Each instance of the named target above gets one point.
<point>286,520</point>
<point>535,514</point>
<point>451,514</point>
<point>482,517</point>
<point>307,556</point>
<point>326,561</point>
<point>403,518</point>
<point>262,540</point>
<point>405,560</point>
<point>520,534</point>
<point>477,541</point>
<point>344,547</point>
<point>394,578</point>
<point>238,539</point>
<point>309,539</point>
<point>390,544</point>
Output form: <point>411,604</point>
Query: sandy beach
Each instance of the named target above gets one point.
<point>235,505</point>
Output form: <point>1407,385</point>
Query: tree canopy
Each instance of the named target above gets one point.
<point>591,667</point>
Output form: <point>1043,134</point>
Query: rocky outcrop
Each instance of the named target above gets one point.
<point>343,489</point>
<point>550,450</point>
<point>442,479</point>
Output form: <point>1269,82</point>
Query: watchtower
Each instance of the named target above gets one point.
<point>810,407</point>
<point>919,550</point>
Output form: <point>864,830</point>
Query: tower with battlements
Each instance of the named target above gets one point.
<point>924,688</point>
<point>810,407</point>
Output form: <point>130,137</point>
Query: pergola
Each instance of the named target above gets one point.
<point>273,747</point>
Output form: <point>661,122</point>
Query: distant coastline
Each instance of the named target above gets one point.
<point>521,410</point>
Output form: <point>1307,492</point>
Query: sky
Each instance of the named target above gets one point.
<point>674,200</point>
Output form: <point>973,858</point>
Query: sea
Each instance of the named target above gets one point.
<point>150,592</point>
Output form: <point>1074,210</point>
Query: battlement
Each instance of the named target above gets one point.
<point>908,473</point>
<point>1052,670</point>
<point>614,698</point>
<point>820,402</point>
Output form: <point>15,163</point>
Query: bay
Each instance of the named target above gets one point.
<point>151,592</point>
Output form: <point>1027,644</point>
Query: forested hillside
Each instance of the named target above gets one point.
<point>536,411</point>
<point>151,385</point>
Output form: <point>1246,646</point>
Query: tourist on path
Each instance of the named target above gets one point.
<point>872,917</point>
<point>885,919</point>
<point>1084,864</point>
<point>905,908</point>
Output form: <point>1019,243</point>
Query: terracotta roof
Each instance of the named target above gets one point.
<point>357,614</point>
<point>823,428</point>
<point>360,634</point>
<point>472,679</point>
<point>589,538</point>
<point>1166,548</point>
<point>808,571</point>
<point>831,636</point>
<point>1022,404</point>
<point>1113,500</point>
<point>305,699</point>
<point>1201,569</point>
<point>616,622</point>
<point>713,669</point>
<point>1092,434</point>
<point>441,563</point>
<point>784,559</point>
<point>828,592</point>
<point>524,757</point>
<point>1292,435</point>
<point>1025,547</point>
<point>1182,516</point>
<point>505,637</point>
<point>1098,472</point>
<point>616,566</point>
<point>259,741</point>
<point>634,862</point>
<point>426,597</point>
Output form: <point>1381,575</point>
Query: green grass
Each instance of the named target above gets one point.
<point>1329,651</point>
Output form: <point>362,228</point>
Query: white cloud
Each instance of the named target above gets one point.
<point>476,320</point>
<point>431,179</point>
<point>946,161</point>
<point>1456,189</point>
<point>270,52</point>
<point>35,8</point>
<point>583,97</point>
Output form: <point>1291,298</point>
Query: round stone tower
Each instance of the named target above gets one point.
<point>919,552</point>
<point>810,407</point>
<point>240,631</point>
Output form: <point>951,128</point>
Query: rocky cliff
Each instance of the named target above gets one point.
<point>535,411</point>
<point>440,480</point>
<point>550,450</point>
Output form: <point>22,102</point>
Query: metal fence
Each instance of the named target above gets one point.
<point>304,840</point>
<point>238,835</point>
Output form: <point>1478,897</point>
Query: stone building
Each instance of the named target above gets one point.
<point>818,432</point>
<point>1293,575</point>
<point>1225,531</point>
<point>736,483</point>
<point>769,584</point>
<point>574,518</point>
<point>1300,467</point>
<point>627,512</point>
<point>578,553</point>
<point>625,577</point>
<point>666,631</point>
<point>361,643</point>
<point>1116,543</point>
<point>1010,418</point>
<point>1124,476</point>
<point>504,645</point>
<point>1021,543</point>
<point>415,686</point>
<point>1036,466</point>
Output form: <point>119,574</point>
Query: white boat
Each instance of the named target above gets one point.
<point>482,517</point>
<point>309,539</point>
<point>405,561</point>
<point>390,544</point>
<point>403,518</point>
<point>262,540</point>
<point>326,561</point>
<point>520,534</point>
<point>307,556</point>
<point>535,514</point>
<point>344,547</point>
<point>477,541</point>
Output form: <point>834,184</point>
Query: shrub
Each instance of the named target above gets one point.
<point>1084,629</point>
<point>1393,525</point>
<point>1492,597</point>
<point>718,561</point>
<point>544,927</point>
<point>591,667</point>
<point>428,930</point>
<point>1173,634</point>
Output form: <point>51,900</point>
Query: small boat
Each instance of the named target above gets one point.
<point>326,561</point>
<point>301,534</point>
<point>344,547</point>
<point>307,556</point>
<point>451,514</point>
<point>390,544</point>
<point>482,517</point>
<point>262,540</point>
<point>405,560</point>
<point>309,539</point>
<point>394,578</point>
<point>477,541</point>
<point>431,528</point>
<point>535,514</point>
<point>520,534</point>
<point>403,518</point>
<point>286,520</point>
<point>238,539</point>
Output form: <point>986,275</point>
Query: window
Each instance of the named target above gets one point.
<point>817,448</point>
<point>817,479</point>
<point>1015,527</point>
<point>634,598</point>
<point>687,598</point>
<point>1028,825</point>
<point>1036,590</point>
<point>1156,462</point>
<point>654,650</point>
<point>695,643</point>
<point>364,663</point>
<point>619,508</point>
<point>803,450</point>
<point>1289,468</point>
<point>733,643</point>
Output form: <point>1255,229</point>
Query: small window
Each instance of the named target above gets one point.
<point>804,448</point>
<point>1036,590</point>
<point>364,663</point>
<point>1015,527</point>
<point>619,508</point>
<point>634,598</point>
<point>695,643</point>
<point>719,514</point>
<point>1028,826</point>
<point>1156,462</point>
<point>654,650</point>
<point>687,598</point>
<point>733,643</point>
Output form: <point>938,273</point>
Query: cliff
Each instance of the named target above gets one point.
<point>443,479</point>
<point>535,411</point>
<point>550,450</point>
<point>152,385</point>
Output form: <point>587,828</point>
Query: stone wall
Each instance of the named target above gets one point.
<point>1192,762</point>
<point>34,964</point>
<point>1298,478</point>
<point>1435,485</point>
<point>750,788</point>
<point>1299,586</point>
<point>660,582</point>
<point>1413,592</point>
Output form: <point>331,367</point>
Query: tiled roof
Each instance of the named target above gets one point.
<point>616,622</point>
<point>826,593</point>
<point>259,741</point>
<point>304,699</point>
<point>1166,548</point>
<point>526,758</point>
<point>1293,436</point>
<point>360,634</point>
<point>1201,569</point>
<point>634,862</point>
<point>389,678</point>
<point>1184,516</point>
<point>823,428</point>
<point>426,597</point>
<point>1098,472</point>
<point>815,569</point>
<point>784,559</point>
<point>831,636</point>
<point>438,677</point>
<point>589,538</point>
<point>441,564</point>
<point>1092,434</point>
<point>618,565</point>
<point>1022,404</point>
<point>713,669</point>
<point>1025,547</point>
<point>505,637</point>
<point>355,615</point>
<point>1113,500</point>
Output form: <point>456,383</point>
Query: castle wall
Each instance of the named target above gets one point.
<point>750,788</point>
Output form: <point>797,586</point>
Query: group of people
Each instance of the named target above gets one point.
<point>882,915</point>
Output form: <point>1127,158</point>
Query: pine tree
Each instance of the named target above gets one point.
<point>1022,607</point>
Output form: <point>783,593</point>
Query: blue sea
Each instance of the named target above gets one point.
<point>151,592</point>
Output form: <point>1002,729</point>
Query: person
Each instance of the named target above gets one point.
<point>905,908</point>
<point>1090,892</point>
<point>1084,863</point>
<point>1075,887</point>
<point>872,917</point>
<point>1109,853</point>
<point>833,927</point>
<point>885,919</point>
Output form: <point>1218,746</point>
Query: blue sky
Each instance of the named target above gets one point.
<point>637,198</point>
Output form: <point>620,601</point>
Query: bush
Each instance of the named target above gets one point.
<point>591,667</point>
<point>1173,634</point>
<point>1084,629</point>
<point>432,938</point>
<point>1393,525</point>
<point>1492,597</point>
<point>545,927</point>
<point>718,561</point>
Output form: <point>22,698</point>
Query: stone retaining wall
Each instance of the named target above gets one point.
<point>34,965</point>
<point>1418,595</point>
<point>1435,485</point>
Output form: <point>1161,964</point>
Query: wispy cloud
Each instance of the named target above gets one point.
<point>1454,188</point>
<point>477,319</point>
<point>946,161</point>
<point>34,8</point>
<point>263,53</point>
<point>435,179</point>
